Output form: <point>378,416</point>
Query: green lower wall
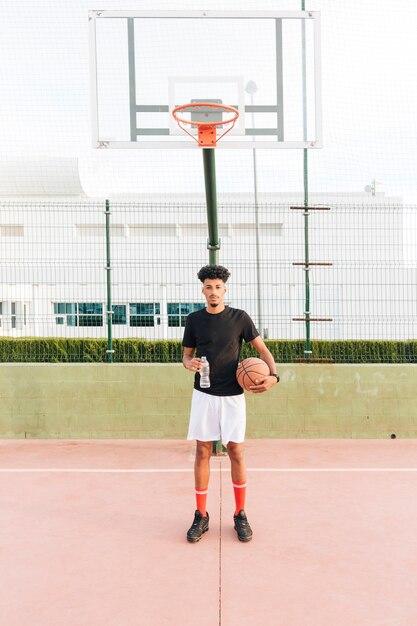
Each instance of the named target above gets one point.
<point>152,401</point>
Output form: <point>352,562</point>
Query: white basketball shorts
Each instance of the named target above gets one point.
<point>217,417</point>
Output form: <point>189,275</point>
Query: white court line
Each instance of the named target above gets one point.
<point>182,470</point>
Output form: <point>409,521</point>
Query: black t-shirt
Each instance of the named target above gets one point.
<point>218,336</point>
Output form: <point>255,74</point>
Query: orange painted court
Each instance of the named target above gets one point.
<point>93,534</point>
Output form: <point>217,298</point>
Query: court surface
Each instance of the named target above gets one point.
<point>92,533</point>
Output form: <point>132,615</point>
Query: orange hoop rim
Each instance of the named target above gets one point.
<point>196,105</point>
<point>205,127</point>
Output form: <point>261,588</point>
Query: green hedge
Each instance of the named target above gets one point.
<point>51,350</point>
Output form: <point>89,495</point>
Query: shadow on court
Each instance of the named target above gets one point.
<point>92,533</point>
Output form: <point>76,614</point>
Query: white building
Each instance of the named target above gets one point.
<point>53,261</point>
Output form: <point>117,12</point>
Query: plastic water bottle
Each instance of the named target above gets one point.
<point>204,373</point>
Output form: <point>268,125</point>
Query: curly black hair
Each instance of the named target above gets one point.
<point>213,271</point>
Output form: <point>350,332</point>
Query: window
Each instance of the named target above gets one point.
<point>68,309</point>
<point>90,314</point>
<point>142,313</point>
<point>119,314</point>
<point>201,230</point>
<point>271,230</point>
<point>140,231</point>
<point>178,311</point>
<point>11,230</point>
<point>13,316</point>
<point>79,314</point>
<point>99,230</point>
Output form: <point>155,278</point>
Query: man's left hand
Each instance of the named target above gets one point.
<point>263,385</point>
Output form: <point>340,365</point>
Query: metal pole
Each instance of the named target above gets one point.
<point>132,77</point>
<point>109,350</point>
<point>279,78</point>
<point>257,233</point>
<point>307,350</point>
<point>213,242</point>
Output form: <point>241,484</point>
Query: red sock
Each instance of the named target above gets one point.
<point>201,498</point>
<point>240,495</point>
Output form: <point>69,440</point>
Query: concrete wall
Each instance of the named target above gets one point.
<point>152,401</point>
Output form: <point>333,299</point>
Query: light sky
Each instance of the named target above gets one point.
<point>369,70</point>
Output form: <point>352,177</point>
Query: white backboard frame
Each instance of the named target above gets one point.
<point>105,143</point>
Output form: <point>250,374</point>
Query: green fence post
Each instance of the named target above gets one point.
<point>109,311</point>
<point>307,350</point>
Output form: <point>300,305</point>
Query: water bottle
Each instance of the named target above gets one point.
<point>204,373</point>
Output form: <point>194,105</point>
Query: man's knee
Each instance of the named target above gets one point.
<point>203,451</point>
<point>235,451</point>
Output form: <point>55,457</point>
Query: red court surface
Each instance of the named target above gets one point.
<point>92,533</point>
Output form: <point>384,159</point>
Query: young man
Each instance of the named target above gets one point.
<point>218,412</point>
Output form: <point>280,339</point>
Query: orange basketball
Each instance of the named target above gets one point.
<point>251,371</point>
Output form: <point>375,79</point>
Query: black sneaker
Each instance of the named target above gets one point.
<point>199,526</point>
<point>242,527</point>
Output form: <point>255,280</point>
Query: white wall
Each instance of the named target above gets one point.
<point>157,249</point>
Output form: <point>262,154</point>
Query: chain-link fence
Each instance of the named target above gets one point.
<point>344,274</point>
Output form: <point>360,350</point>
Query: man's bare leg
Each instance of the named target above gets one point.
<point>237,461</point>
<point>202,473</point>
<point>202,477</point>
<point>238,466</point>
<point>202,464</point>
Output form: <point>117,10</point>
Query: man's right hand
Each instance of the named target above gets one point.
<point>194,364</point>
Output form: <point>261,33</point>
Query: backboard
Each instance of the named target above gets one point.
<point>264,63</point>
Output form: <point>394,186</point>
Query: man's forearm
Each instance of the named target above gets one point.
<point>266,356</point>
<point>186,361</point>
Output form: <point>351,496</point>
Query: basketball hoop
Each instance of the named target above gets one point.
<point>207,131</point>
